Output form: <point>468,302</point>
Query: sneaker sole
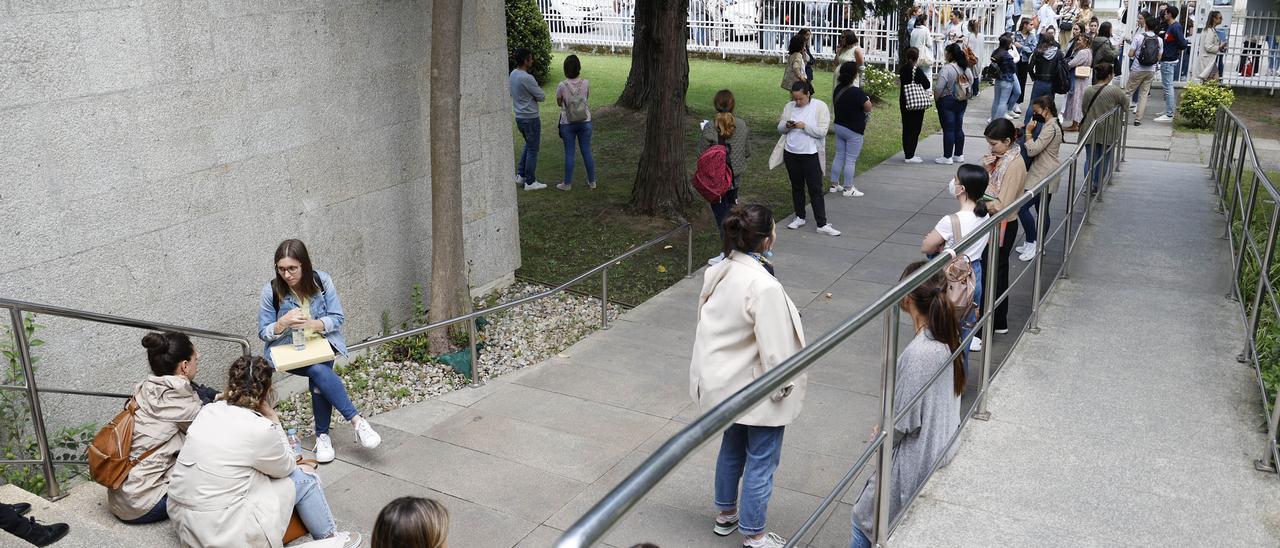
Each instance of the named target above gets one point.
<point>724,529</point>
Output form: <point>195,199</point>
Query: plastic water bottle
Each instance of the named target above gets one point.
<point>299,339</point>
<point>295,443</point>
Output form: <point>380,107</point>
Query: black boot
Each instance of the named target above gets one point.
<point>39,534</point>
<point>20,508</point>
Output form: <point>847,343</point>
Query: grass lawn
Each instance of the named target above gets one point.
<point>565,233</point>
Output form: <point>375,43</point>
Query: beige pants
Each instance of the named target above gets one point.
<point>1141,82</point>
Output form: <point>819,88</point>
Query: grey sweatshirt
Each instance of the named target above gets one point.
<point>525,94</point>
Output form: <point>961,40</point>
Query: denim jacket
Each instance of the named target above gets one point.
<point>324,307</point>
<point>1026,45</point>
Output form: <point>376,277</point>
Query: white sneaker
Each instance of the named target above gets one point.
<point>345,539</point>
<point>1011,115</point>
<point>959,158</point>
<point>519,179</point>
<point>1133,108</point>
<point>1020,247</point>
<point>715,260</point>
<point>324,448</point>
<point>1002,331</point>
<point>1164,118</point>
<point>1018,111</point>
<point>368,438</point>
<point>591,185</point>
<point>975,345</point>
<point>534,186</point>
<point>828,230</point>
<point>1028,253</point>
<point>796,223</point>
<point>943,161</point>
<point>563,186</point>
<point>769,540</point>
<point>835,189</point>
<point>914,160</point>
<point>853,192</point>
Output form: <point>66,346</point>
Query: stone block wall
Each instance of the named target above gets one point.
<point>153,153</point>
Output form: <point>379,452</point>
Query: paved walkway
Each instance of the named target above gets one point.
<point>1127,421</point>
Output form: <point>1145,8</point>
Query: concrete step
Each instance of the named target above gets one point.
<point>92,525</point>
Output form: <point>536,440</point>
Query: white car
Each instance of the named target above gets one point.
<point>581,13</point>
<point>743,16</point>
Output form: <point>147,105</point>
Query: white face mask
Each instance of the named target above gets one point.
<point>951,187</point>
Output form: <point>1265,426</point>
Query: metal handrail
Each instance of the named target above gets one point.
<point>23,347</point>
<point>605,513</point>
<point>471,317</point>
<point>1222,159</point>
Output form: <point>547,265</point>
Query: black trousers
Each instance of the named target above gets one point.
<point>805,172</point>
<point>1009,234</point>
<point>912,121</point>
<point>1023,68</point>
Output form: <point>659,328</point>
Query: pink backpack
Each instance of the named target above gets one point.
<point>713,177</point>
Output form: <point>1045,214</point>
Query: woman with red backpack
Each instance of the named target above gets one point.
<point>731,132</point>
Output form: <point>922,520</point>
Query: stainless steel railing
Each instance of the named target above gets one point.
<point>22,347</point>
<point>602,269</point>
<point>1231,158</point>
<point>1109,131</point>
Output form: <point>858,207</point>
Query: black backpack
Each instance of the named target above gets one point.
<point>1061,75</point>
<point>1150,52</point>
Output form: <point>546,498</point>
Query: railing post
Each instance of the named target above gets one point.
<point>1213,149</point>
<point>1268,462</point>
<point>1264,272</point>
<point>887,425</point>
<point>688,265</point>
<point>23,347</point>
<point>1070,220</point>
<point>1041,228</point>
<point>989,296</point>
<point>475,358</point>
<point>604,298</point>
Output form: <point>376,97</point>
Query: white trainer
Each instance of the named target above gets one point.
<point>828,230</point>
<point>324,448</point>
<point>367,436</point>
<point>1020,247</point>
<point>796,223</point>
<point>769,540</point>
<point>944,161</point>
<point>1164,118</point>
<point>835,189</point>
<point>914,160</point>
<point>959,158</point>
<point>345,539</point>
<point>975,345</point>
<point>715,260</point>
<point>534,186</point>
<point>853,192</point>
<point>1028,253</point>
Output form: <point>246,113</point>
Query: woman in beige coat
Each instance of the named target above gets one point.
<point>796,61</point>
<point>1043,151</point>
<point>167,403</point>
<point>237,481</point>
<point>746,326</point>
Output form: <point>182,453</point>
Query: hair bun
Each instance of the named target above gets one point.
<point>153,341</point>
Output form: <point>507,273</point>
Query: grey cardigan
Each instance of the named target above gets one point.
<point>739,144</point>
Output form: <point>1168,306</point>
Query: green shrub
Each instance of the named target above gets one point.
<point>1200,103</point>
<point>878,84</point>
<point>527,29</point>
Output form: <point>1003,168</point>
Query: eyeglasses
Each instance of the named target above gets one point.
<point>283,270</point>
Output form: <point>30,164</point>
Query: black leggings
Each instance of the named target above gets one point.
<point>806,173</point>
<point>1010,233</point>
<point>1022,79</point>
<point>912,121</point>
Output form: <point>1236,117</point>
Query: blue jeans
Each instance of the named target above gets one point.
<point>848,147</point>
<point>1273,63</point>
<point>327,393</point>
<point>967,325</point>
<point>749,454</point>
<point>311,505</point>
<point>860,539</point>
<point>1039,88</point>
<point>1027,217</point>
<point>156,514</point>
<point>1005,99</point>
<point>720,209</point>
<point>951,115</point>
<point>581,132</point>
<point>1168,73</point>
<point>1094,153</point>
<point>531,130</point>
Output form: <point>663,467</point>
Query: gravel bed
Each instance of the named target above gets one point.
<point>513,339</point>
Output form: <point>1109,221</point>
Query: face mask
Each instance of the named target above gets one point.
<point>951,187</point>
<point>768,254</point>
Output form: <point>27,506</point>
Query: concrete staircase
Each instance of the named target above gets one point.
<point>92,525</point>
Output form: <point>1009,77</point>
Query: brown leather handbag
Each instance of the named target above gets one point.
<point>109,461</point>
<point>296,528</point>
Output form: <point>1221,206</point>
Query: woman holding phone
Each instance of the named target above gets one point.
<point>300,297</point>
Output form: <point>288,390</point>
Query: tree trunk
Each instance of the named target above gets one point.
<point>904,33</point>
<point>660,187</point>
<point>638,91</point>
<point>450,296</point>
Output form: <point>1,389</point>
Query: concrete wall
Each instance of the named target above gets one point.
<point>154,152</point>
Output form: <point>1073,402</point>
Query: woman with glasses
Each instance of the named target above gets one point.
<point>300,297</point>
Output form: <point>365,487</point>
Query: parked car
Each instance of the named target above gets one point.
<point>742,17</point>
<point>579,14</point>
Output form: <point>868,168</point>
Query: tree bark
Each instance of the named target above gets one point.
<point>639,90</point>
<point>450,295</point>
<point>660,187</point>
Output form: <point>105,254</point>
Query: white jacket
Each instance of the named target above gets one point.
<point>231,486</point>
<point>819,133</point>
<point>747,325</point>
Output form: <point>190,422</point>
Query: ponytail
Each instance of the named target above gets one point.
<point>725,124</point>
<point>974,180</point>
<point>930,298</point>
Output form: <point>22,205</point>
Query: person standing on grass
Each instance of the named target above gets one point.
<point>912,120</point>
<point>795,71</point>
<point>575,121</point>
<point>1174,43</point>
<point>747,325</point>
<point>952,92</point>
<point>729,130</point>
<point>853,108</point>
<point>803,148</point>
<point>525,96</point>
<point>848,52</point>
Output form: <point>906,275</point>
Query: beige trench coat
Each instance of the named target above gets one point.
<point>166,407</point>
<point>231,486</point>
<point>747,325</point>
<point>1044,155</point>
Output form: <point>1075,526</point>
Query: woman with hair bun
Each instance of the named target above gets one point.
<point>167,403</point>
<point>412,522</point>
<point>921,433</point>
<point>729,130</point>
<point>747,325</point>
<point>237,481</point>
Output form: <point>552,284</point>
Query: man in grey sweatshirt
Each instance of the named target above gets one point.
<point>525,96</point>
